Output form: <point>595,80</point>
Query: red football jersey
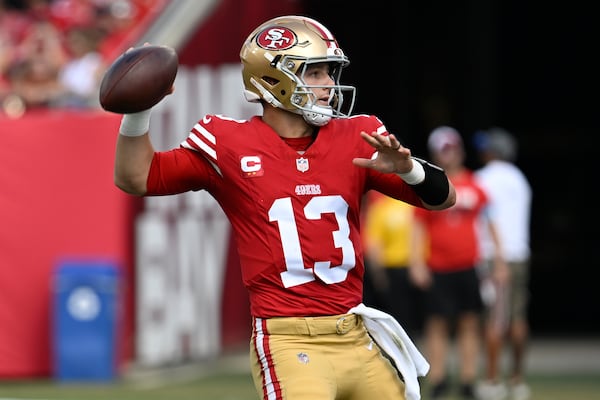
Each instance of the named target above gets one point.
<point>295,217</point>
<point>452,233</point>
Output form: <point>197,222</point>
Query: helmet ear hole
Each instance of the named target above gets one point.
<point>270,80</point>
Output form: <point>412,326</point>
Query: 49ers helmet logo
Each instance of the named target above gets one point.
<point>276,38</point>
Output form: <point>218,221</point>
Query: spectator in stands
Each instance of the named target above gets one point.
<point>66,14</point>
<point>48,58</point>
<point>35,81</point>
<point>115,21</point>
<point>6,49</point>
<point>34,74</point>
<point>13,26</point>
<point>82,74</point>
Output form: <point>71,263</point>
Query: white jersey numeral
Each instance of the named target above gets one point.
<point>296,274</point>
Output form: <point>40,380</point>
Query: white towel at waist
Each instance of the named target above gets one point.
<point>395,342</point>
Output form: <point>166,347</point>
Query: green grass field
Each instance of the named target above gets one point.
<point>237,386</point>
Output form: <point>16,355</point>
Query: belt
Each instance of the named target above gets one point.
<point>312,326</point>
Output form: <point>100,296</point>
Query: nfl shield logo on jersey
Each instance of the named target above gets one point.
<point>302,164</point>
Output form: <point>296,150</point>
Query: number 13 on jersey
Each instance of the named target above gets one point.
<point>296,274</point>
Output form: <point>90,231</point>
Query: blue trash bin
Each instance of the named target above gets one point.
<point>86,302</point>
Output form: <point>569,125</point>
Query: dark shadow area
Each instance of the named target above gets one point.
<point>525,66</point>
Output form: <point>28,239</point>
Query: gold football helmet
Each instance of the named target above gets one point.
<point>274,58</point>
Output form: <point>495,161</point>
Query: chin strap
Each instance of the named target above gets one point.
<point>318,115</point>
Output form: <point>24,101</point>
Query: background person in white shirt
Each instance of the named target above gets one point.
<point>506,317</point>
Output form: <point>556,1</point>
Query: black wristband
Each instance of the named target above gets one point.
<point>434,189</point>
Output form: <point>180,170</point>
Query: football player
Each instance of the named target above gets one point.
<point>291,182</point>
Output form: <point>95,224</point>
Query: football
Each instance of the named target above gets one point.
<point>138,79</point>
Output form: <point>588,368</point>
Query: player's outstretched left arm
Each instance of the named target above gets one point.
<point>429,181</point>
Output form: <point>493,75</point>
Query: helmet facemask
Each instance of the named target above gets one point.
<point>307,102</point>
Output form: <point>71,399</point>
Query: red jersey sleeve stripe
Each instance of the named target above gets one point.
<point>201,139</point>
<point>381,130</point>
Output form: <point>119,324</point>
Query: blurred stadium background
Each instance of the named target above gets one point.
<point>179,298</point>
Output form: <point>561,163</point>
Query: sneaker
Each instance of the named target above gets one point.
<point>467,392</point>
<point>520,391</point>
<point>487,390</point>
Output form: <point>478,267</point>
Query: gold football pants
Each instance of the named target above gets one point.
<point>320,358</point>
